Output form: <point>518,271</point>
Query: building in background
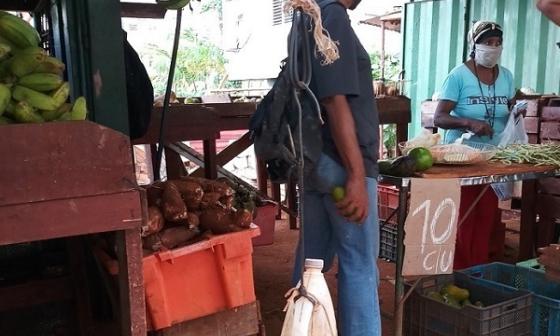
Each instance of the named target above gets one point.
<point>255,35</point>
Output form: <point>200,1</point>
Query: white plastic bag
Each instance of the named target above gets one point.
<point>514,133</point>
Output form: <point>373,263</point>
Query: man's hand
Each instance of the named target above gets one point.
<point>550,259</point>
<point>354,206</point>
<point>480,128</point>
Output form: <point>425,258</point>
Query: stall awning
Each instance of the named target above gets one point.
<point>391,20</point>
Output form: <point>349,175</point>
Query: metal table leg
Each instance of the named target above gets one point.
<point>399,285</point>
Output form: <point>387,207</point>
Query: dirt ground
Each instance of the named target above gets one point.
<point>273,268</point>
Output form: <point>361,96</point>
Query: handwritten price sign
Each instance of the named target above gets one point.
<point>431,226</point>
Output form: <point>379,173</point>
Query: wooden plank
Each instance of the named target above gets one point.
<point>528,221</point>
<point>35,292</point>
<point>241,321</point>
<point>483,169</point>
<point>198,121</point>
<point>550,186</point>
<point>142,10</point>
<point>548,208</point>
<point>210,161</point>
<point>277,197</point>
<point>533,138</point>
<point>548,205</point>
<point>131,283</point>
<point>550,130</point>
<point>174,165</point>
<point>77,265</point>
<point>393,110</point>
<point>532,108</point>
<point>63,160</point>
<point>229,153</point>
<point>262,177</point>
<point>551,113</point>
<point>69,217</point>
<point>182,124</point>
<point>531,125</point>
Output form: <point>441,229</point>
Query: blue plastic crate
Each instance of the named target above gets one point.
<point>546,301</point>
<point>507,311</point>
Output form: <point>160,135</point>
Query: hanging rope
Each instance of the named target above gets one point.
<point>324,45</point>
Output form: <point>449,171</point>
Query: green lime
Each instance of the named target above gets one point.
<point>422,157</point>
<point>338,194</point>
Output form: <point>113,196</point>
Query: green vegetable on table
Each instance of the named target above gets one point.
<point>539,155</point>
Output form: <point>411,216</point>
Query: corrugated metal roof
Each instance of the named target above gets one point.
<point>435,42</point>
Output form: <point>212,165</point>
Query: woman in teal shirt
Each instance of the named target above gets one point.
<point>475,98</point>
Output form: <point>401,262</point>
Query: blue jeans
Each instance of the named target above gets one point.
<point>357,246</point>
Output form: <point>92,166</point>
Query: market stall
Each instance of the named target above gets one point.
<point>484,173</point>
<point>61,180</point>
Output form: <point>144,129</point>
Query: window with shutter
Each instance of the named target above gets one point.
<point>278,15</point>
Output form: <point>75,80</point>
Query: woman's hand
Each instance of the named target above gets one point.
<point>480,128</point>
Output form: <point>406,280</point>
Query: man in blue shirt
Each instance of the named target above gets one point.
<point>349,228</point>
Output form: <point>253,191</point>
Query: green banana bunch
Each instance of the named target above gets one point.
<point>5,72</point>
<point>10,108</point>
<point>27,60</point>
<point>65,108</point>
<point>173,4</point>
<point>60,95</point>
<point>41,81</point>
<point>79,109</point>
<point>25,113</point>
<point>51,65</point>
<point>7,42</point>
<point>5,97</point>
<point>5,51</point>
<point>18,31</point>
<point>35,99</point>
<point>5,121</point>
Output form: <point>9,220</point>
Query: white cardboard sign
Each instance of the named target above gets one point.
<point>431,226</point>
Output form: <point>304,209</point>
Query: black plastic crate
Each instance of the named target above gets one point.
<point>387,241</point>
<point>506,312</point>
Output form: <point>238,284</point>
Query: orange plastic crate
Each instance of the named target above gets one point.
<point>199,279</point>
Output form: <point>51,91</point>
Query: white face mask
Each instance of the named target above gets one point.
<point>487,56</point>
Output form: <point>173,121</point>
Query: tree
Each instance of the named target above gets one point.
<point>200,65</point>
<point>392,66</point>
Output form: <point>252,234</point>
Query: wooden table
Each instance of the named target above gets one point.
<point>478,174</point>
<point>204,122</point>
<point>186,122</point>
<point>68,179</point>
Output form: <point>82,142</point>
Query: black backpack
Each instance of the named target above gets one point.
<point>274,130</point>
<point>139,92</point>
<point>274,125</point>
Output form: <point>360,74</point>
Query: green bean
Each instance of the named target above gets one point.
<point>541,154</point>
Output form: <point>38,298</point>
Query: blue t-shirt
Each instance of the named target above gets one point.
<point>462,87</point>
